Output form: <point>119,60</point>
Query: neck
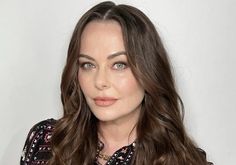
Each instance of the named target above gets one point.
<point>115,135</point>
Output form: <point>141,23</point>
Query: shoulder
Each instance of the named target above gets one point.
<point>44,125</point>
<point>37,148</point>
<point>203,153</point>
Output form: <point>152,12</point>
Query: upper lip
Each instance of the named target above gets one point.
<point>105,98</point>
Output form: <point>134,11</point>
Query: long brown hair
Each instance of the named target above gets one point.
<point>161,137</point>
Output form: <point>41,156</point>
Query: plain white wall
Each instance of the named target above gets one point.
<point>199,36</point>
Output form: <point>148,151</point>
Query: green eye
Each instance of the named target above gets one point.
<point>87,66</point>
<point>120,66</point>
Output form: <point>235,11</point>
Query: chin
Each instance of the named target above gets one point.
<point>104,118</point>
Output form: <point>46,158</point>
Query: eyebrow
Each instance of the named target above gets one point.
<point>111,56</point>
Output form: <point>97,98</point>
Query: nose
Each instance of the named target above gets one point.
<point>102,79</point>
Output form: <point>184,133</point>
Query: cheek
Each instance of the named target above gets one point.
<point>127,85</point>
<point>85,83</point>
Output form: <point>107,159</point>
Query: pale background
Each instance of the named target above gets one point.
<point>199,35</point>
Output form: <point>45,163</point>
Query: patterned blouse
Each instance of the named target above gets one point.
<point>37,149</point>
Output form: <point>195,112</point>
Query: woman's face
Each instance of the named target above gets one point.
<point>107,82</point>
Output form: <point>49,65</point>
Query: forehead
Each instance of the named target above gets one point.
<point>100,25</point>
<point>103,37</point>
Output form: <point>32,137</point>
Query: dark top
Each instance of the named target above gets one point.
<point>37,148</point>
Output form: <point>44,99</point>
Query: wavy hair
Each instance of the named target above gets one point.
<point>161,136</point>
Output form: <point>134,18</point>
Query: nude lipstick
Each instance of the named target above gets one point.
<point>104,101</point>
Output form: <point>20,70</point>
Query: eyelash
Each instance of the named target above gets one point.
<point>83,65</point>
<point>122,63</point>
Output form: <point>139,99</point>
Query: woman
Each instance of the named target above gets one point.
<point>119,98</point>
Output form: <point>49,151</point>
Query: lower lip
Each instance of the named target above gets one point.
<point>104,103</point>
